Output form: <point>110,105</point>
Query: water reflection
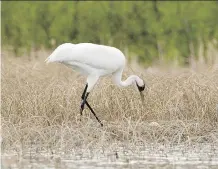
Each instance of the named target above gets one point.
<point>151,156</point>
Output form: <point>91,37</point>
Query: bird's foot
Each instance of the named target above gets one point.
<point>81,114</point>
<point>80,118</point>
<point>81,110</point>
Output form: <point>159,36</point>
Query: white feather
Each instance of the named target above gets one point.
<point>94,61</point>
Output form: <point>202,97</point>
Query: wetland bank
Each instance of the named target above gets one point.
<point>175,127</point>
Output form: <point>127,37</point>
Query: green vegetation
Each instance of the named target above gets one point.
<point>151,30</point>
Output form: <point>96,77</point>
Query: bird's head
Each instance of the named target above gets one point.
<point>141,87</point>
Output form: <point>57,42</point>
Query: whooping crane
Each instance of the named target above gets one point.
<point>94,61</point>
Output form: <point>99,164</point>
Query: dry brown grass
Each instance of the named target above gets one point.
<point>40,107</point>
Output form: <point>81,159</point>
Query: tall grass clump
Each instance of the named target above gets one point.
<point>40,106</point>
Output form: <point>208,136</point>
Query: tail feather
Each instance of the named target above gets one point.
<point>52,58</point>
<point>47,60</point>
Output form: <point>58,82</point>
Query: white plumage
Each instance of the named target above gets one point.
<point>94,61</point>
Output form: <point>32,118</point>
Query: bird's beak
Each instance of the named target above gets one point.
<point>142,97</point>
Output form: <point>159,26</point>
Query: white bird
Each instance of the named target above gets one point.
<point>94,61</point>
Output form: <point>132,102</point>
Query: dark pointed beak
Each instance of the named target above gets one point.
<point>142,96</point>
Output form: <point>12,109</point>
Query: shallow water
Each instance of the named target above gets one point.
<point>201,156</point>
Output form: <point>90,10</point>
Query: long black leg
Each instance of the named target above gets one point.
<point>84,92</point>
<point>83,103</point>
<point>84,97</point>
<point>93,113</point>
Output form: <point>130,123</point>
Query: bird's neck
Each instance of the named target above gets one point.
<point>130,80</point>
<point>133,79</point>
<point>117,78</point>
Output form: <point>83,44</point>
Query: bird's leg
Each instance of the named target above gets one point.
<point>84,92</point>
<point>93,113</point>
<point>83,96</point>
<point>83,103</point>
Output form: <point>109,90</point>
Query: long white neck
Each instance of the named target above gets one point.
<point>117,78</point>
<point>130,80</point>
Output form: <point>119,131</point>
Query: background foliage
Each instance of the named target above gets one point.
<point>148,30</point>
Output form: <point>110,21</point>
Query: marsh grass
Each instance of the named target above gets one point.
<point>40,108</point>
